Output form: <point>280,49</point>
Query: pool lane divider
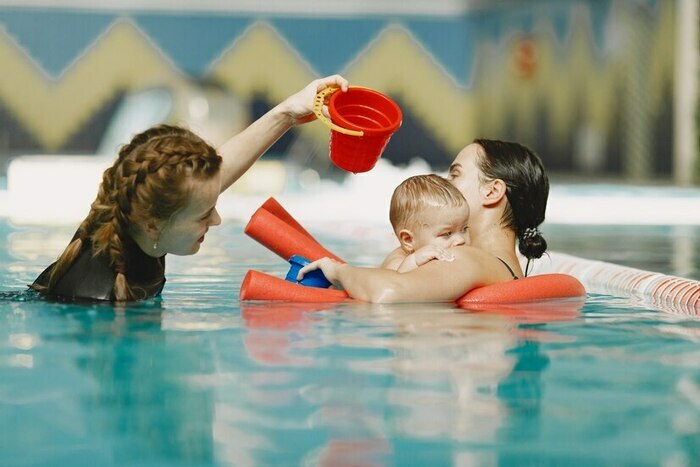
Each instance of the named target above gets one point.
<point>662,291</point>
<point>273,227</point>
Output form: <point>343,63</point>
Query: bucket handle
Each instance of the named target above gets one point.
<point>318,106</point>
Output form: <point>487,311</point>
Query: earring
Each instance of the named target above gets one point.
<point>155,245</point>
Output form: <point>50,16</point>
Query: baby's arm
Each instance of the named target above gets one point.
<point>409,263</point>
<point>393,260</point>
<point>399,261</point>
<point>419,258</point>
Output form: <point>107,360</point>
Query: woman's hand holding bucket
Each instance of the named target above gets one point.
<point>299,106</point>
<point>361,120</point>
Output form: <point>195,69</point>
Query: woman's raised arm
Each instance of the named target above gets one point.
<point>241,151</point>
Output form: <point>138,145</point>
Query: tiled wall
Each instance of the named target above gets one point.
<point>554,75</point>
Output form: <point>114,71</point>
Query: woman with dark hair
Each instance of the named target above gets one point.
<point>507,188</point>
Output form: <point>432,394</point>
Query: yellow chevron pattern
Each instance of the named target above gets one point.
<point>260,60</point>
<point>433,97</point>
<point>121,59</point>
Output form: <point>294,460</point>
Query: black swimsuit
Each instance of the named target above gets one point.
<point>509,269</point>
<point>92,278</point>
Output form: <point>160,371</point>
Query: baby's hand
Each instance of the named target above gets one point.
<point>429,252</point>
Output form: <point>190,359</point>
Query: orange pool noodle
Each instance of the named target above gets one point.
<point>274,207</point>
<point>282,238</point>
<point>260,286</point>
<point>273,227</point>
<point>540,287</point>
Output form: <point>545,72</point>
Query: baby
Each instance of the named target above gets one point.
<point>429,216</point>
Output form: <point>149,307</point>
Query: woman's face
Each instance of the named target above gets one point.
<point>184,233</point>
<point>464,175</point>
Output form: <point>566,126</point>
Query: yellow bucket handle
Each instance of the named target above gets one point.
<point>318,110</point>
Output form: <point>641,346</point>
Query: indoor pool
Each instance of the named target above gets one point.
<point>197,378</point>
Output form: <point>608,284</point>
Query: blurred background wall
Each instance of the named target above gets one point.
<point>591,85</point>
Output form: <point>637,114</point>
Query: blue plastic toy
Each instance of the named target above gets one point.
<point>311,279</point>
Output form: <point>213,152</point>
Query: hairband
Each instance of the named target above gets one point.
<point>530,232</point>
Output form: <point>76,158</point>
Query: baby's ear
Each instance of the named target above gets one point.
<point>406,239</point>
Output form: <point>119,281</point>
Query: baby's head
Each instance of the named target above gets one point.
<point>429,210</point>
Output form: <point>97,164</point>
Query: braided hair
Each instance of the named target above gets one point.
<point>527,190</point>
<point>146,182</point>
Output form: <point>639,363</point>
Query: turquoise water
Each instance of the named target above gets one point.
<point>196,378</point>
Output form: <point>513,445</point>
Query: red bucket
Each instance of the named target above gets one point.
<point>363,122</point>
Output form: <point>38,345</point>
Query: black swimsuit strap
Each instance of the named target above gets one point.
<point>509,269</point>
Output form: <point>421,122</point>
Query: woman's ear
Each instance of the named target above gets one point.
<point>151,227</point>
<point>493,191</point>
<point>406,239</point>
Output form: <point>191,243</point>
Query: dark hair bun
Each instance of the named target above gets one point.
<point>532,247</point>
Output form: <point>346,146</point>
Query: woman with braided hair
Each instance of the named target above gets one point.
<point>160,197</point>
<point>507,188</point>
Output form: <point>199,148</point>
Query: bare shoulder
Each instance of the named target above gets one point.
<point>483,267</point>
<point>469,255</point>
<point>466,268</point>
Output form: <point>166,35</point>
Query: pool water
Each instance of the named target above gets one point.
<point>197,378</point>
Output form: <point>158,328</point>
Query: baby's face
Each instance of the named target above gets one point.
<point>441,227</point>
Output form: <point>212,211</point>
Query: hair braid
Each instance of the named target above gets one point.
<point>145,182</point>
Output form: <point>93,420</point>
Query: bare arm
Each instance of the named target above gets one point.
<point>434,281</point>
<point>241,151</point>
<point>409,263</point>
<point>393,259</point>
<point>399,261</point>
